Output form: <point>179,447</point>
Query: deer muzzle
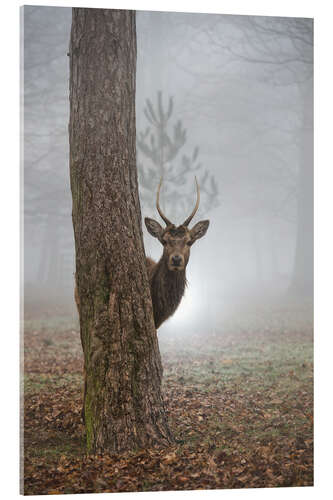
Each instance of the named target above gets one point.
<point>176,262</point>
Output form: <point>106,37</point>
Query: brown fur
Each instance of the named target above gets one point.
<point>167,289</point>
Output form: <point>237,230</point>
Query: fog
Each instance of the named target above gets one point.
<point>242,96</point>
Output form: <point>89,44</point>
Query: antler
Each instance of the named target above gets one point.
<point>168,223</point>
<point>188,220</point>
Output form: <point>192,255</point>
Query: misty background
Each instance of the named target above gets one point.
<point>226,98</point>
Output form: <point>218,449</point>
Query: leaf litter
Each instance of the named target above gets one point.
<point>240,405</point>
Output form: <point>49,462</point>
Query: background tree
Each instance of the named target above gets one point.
<point>275,53</point>
<point>284,48</point>
<point>48,230</point>
<point>123,405</point>
<point>161,149</point>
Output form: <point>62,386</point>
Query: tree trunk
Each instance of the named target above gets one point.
<point>44,259</point>
<point>123,406</point>
<point>258,267</point>
<point>302,280</point>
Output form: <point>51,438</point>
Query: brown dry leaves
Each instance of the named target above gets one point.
<point>239,421</point>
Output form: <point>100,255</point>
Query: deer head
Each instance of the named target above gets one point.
<point>176,241</point>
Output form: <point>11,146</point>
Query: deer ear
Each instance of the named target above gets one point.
<point>199,230</point>
<point>154,228</point>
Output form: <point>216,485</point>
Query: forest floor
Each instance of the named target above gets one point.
<point>240,404</point>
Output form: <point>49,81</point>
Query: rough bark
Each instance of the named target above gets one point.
<point>124,405</point>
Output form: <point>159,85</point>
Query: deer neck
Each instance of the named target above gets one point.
<point>167,288</point>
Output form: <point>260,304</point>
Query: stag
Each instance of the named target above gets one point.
<point>167,277</point>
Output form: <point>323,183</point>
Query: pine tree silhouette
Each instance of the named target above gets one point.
<point>159,156</point>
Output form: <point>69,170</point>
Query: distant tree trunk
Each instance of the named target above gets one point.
<point>274,254</point>
<point>45,252</point>
<point>124,405</point>
<point>258,268</point>
<point>53,262</point>
<point>302,280</point>
<point>48,269</point>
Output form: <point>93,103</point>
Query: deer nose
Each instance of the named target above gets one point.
<point>176,260</point>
